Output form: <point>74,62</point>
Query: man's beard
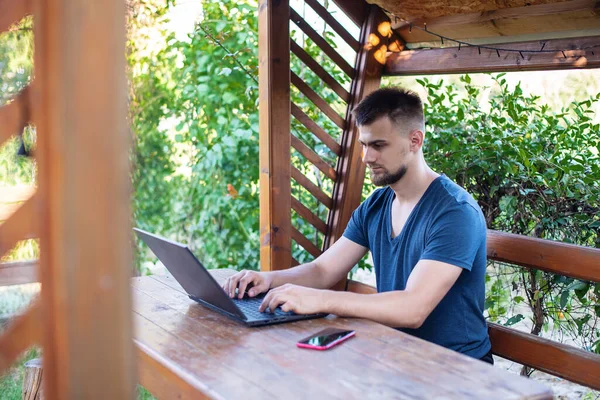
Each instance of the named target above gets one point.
<point>387,178</point>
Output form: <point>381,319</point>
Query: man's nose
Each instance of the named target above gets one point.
<point>368,155</point>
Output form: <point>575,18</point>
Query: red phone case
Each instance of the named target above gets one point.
<point>330,345</point>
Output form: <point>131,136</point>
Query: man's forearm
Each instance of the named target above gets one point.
<point>397,309</point>
<point>308,275</point>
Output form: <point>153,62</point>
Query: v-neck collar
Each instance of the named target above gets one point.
<point>412,212</point>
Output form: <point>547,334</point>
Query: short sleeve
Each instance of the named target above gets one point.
<point>456,236</point>
<point>356,229</point>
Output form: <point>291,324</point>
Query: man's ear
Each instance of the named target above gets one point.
<point>416,138</point>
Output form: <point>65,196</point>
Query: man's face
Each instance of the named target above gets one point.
<point>386,151</point>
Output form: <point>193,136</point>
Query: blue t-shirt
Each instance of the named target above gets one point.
<point>446,225</point>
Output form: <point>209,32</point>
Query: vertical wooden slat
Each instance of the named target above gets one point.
<point>83,141</point>
<point>350,169</point>
<point>274,140</point>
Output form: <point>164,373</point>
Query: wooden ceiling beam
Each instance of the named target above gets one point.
<point>468,59</point>
<point>537,19</point>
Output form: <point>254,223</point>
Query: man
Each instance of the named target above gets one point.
<point>426,234</point>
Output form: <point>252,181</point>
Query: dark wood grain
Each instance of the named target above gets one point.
<point>557,359</point>
<point>274,134</point>
<point>303,241</point>
<point>309,216</point>
<point>319,71</point>
<point>347,191</point>
<point>551,256</point>
<point>311,187</point>
<point>322,43</point>
<point>356,10</point>
<point>314,158</point>
<point>220,356</point>
<point>316,130</point>
<point>468,60</point>
<point>334,24</point>
<point>318,101</point>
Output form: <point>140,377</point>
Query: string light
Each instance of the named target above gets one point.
<point>491,48</point>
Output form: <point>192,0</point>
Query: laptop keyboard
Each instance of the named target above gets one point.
<point>249,306</point>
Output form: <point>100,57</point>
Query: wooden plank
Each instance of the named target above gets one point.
<point>316,130</point>
<point>400,366</point>
<point>83,156</point>
<point>164,379</point>
<point>21,333</point>
<point>334,24</point>
<point>18,273</point>
<point>313,158</point>
<point>420,9</point>
<point>274,135</point>
<point>319,71</point>
<point>303,241</point>
<point>13,11</point>
<point>308,215</point>
<point>347,191</point>
<point>14,116</point>
<point>317,100</point>
<point>543,18</point>
<point>356,10</point>
<point>322,43</point>
<point>311,188</point>
<point>559,258</point>
<point>468,59</point>
<point>23,224</point>
<point>557,359</point>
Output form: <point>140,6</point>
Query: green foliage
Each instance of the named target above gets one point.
<point>16,60</point>
<point>533,172</point>
<point>12,382</point>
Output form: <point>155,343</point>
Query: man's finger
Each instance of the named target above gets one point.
<point>243,284</point>
<point>265,302</point>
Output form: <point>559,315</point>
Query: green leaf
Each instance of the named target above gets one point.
<point>514,319</point>
<point>564,297</point>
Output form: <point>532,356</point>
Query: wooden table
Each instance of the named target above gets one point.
<point>188,351</point>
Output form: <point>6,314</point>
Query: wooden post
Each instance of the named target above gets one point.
<point>80,114</point>
<point>32,382</point>
<point>275,141</point>
<point>350,169</point>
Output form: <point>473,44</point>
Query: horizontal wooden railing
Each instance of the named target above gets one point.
<point>19,272</point>
<point>557,359</point>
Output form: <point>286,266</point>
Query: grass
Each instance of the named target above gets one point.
<point>11,384</point>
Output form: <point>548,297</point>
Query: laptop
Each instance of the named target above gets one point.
<point>203,288</point>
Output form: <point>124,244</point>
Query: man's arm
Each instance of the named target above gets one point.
<point>325,271</point>
<point>427,285</point>
<point>322,273</point>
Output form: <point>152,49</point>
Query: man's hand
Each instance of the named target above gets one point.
<point>260,281</point>
<point>299,299</point>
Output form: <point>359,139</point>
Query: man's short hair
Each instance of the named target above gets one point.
<point>402,106</point>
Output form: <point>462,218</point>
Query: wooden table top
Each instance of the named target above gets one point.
<point>216,357</point>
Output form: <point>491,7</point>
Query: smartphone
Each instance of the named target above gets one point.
<point>325,339</point>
